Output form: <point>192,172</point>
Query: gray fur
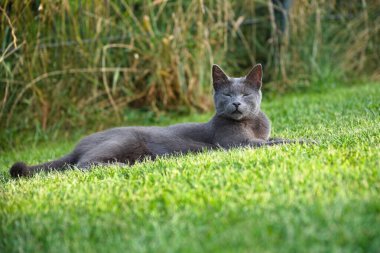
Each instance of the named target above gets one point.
<point>238,122</point>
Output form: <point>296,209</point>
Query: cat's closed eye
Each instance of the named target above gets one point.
<point>246,95</point>
<point>226,94</point>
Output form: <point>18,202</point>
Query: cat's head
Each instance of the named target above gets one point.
<point>237,98</point>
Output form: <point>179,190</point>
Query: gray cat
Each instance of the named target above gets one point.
<point>238,122</point>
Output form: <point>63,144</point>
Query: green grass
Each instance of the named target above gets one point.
<point>291,198</point>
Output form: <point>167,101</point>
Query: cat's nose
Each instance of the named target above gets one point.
<point>236,104</point>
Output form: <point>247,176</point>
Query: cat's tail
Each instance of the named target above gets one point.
<point>20,169</point>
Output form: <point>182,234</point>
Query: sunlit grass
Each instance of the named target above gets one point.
<point>291,198</point>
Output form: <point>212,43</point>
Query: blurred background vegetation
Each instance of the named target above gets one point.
<point>90,64</point>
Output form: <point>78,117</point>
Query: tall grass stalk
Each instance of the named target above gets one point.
<point>67,64</point>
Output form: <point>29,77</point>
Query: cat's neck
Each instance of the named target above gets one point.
<point>218,120</point>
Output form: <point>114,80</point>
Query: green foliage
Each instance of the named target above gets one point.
<point>70,64</point>
<point>291,198</point>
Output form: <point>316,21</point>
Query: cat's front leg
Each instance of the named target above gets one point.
<point>299,141</point>
<point>245,143</point>
<point>278,141</point>
<point>257,143</point>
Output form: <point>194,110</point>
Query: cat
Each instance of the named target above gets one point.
<point>238,121</point>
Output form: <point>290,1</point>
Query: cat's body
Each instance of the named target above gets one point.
<point>238,122</point>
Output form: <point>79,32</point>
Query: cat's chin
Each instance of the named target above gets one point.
<point>235,116</point>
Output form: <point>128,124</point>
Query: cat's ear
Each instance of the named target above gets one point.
<point>254,77</point>
<point>218,76</point>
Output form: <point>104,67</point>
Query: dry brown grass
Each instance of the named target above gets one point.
<point>67,63</point>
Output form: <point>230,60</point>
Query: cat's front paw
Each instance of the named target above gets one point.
<point>308,142</point>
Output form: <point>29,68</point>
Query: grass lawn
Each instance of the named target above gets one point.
<point>291,198</point>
